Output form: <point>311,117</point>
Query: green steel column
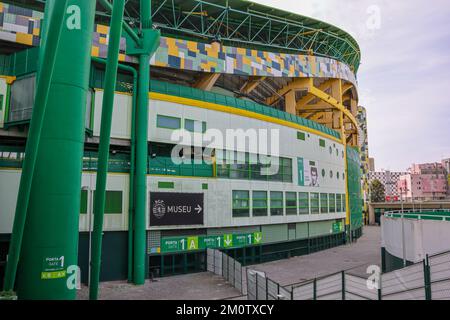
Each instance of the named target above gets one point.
<point>115,34</point>
<point>50,242</point>
<point>132,163</point>
<point>142,153</point>
<point>29,163</point>
<point>141,169</point>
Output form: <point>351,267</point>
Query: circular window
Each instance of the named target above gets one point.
<point>337,153</point>
<point>337,175</point>
<point>331,150</point>
<point>342,154</point>
<point>331,174</point>
<point>323,172</point>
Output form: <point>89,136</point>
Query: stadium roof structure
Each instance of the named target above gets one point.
<point>240,23</point>
<point>247,24</point>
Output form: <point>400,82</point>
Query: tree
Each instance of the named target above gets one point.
<point>377,191</point>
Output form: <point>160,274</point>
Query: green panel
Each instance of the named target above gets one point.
<point>354,188</point>
<point>322,143</point>
<point>204,186</point>
<point>166,185</point>
<point>301,135</point>
<point>275,233</point>
<point>83,202</point>
<point>1,102</point>
<point>113,202</point>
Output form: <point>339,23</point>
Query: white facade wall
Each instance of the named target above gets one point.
<point>218,196</point>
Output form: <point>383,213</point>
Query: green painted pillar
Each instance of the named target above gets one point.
<point>141,170</point>
<point>42,93</point>
<point>112,65</point>
<point>50,243</point>
<point>142,148</point>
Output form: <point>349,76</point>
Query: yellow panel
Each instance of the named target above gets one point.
<point>36,31</point>
<point>1,7</point>
<point>192,46</point>
<point>102,29</point>
<point>24,38</point>
<point>102,40</point>
<point>122,57</point>
<point>95,51</point>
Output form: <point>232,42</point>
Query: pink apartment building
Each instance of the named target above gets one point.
<point>424,182</point>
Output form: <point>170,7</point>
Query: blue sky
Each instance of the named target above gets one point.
<point>404,78</point>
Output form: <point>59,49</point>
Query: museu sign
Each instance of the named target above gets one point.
<point>175,209</point>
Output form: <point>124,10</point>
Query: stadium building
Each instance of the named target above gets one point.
<point>219,65</point>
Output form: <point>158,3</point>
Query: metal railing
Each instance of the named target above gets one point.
<point>425,280</point>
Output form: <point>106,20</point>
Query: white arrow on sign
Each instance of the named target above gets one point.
<point>198,209</point>
<point>258,237</point>
<point>228,240</point>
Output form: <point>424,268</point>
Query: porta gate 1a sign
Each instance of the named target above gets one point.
<point>225,241</point>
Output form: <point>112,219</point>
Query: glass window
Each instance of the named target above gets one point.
<point>195,126</point>
<point>332,202</point>
<point>168,122</point>
<point>323,203</point>
<point>338,203</point>
<point>315,203</point>
<point>239,167</point>
<point>22,99</point>
<point>259,203</point>
<point>291,203</point>
<point>276,203</point>
<point>241,207</point>
<point>344,207</point>
<point>300,135</point>
<point>89,102</point>
<point>303,202</point>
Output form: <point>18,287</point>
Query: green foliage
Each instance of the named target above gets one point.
<point>377,191</point>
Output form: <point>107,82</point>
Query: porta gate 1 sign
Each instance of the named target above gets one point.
<point>225,241</point>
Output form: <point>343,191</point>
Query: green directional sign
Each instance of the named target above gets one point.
<point>227,240</point>
<point>257,237</point>
<point>190,243</point>
<point>337,227</point>
<point>212,242</point>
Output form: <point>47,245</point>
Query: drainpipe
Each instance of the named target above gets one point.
<point>132,163</point>
<point>115,34</point>
<point>55,25</point>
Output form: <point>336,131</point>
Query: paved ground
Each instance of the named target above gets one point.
<point>356,257</point>
<point>198,286</point>
<point>207,286</point>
